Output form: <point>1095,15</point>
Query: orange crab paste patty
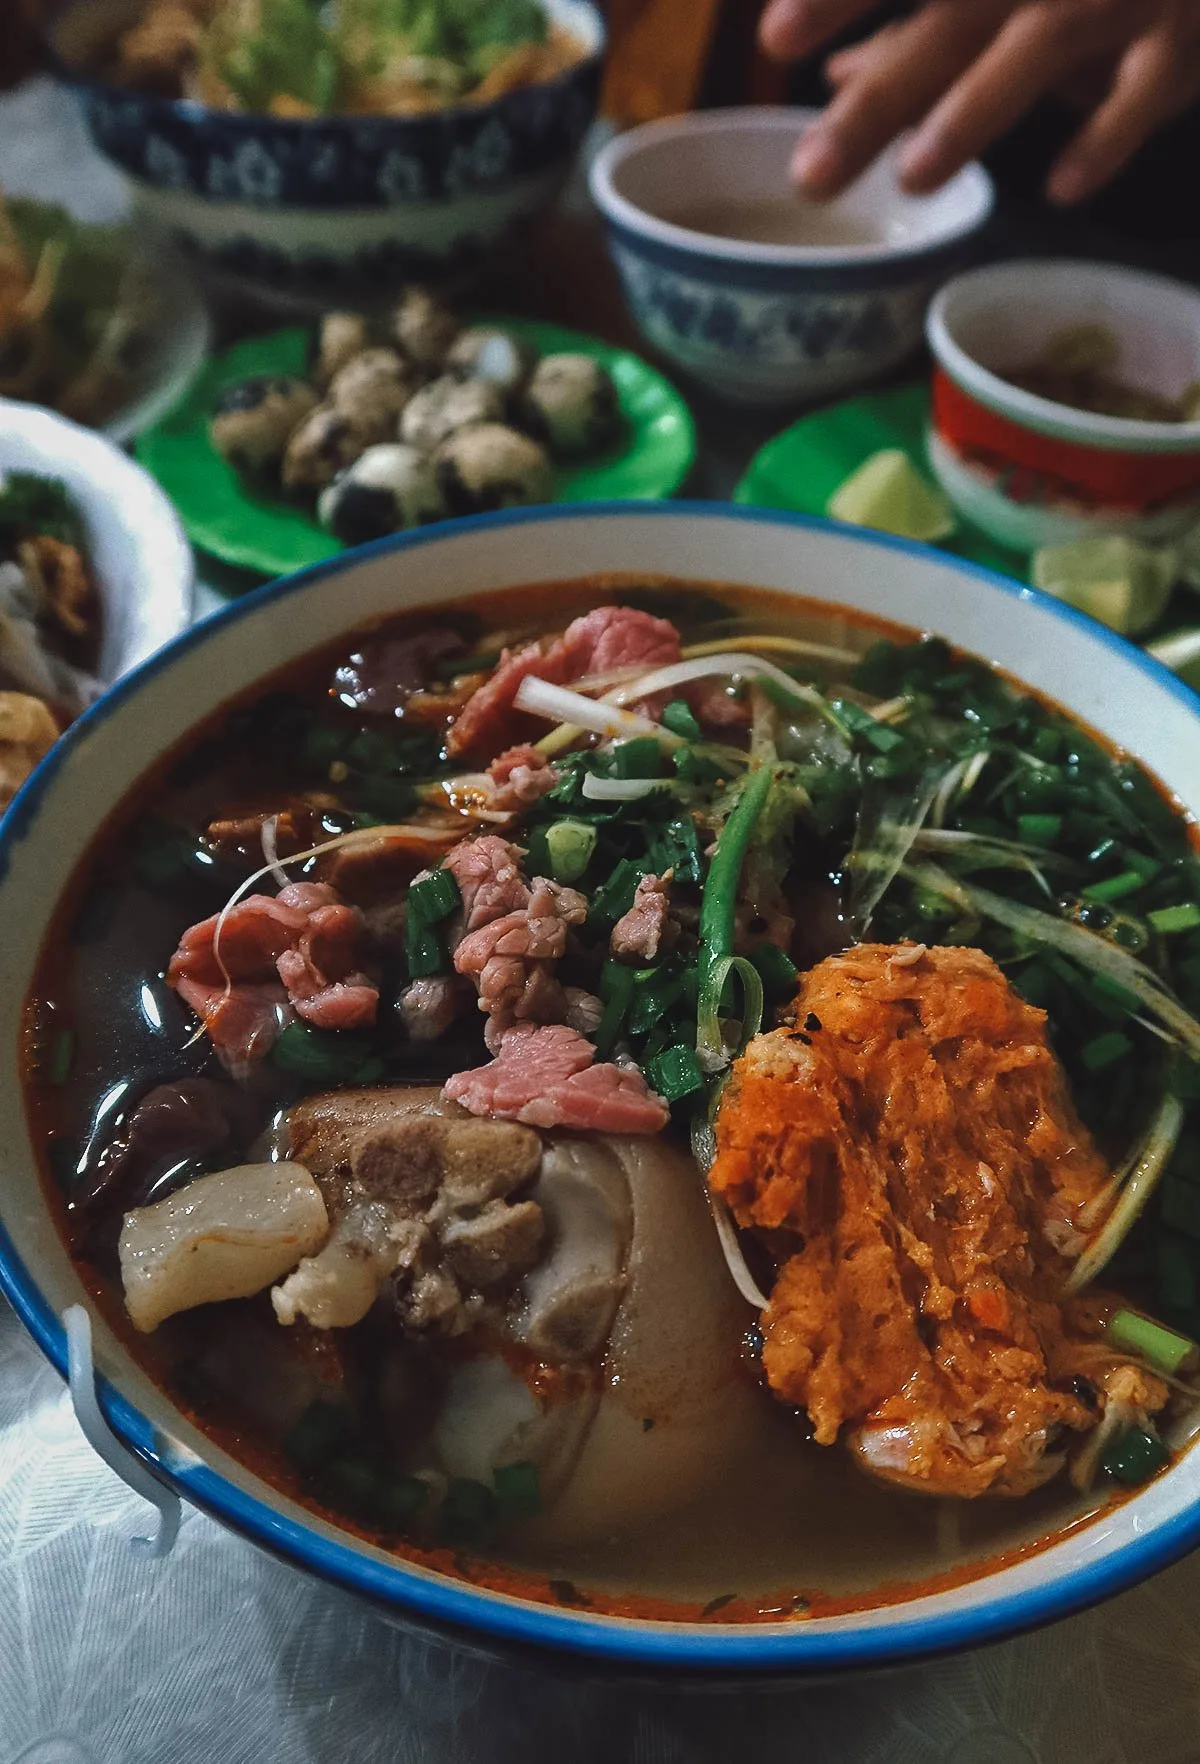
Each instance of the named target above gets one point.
<point>910,1146</point>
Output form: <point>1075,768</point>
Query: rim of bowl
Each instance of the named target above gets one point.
<point>191,110</point>
<point>973,179</point>
<point>1130,434</point>
<point>632,1644</point>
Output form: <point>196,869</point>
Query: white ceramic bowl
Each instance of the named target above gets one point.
<point>1130,699</point>
<point>770,323</point>
<point>1028,471</point>
<point>140,554</point>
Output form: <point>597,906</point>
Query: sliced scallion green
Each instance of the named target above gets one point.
<point>1165,1351</point>
<point>1135,1456</point>
<point>675,1073</point>
<point>616,990</point>
<point>1114,887</point>
<point>678,718</point>
<point>1175,918</point>
<point>434,897</point>
<point>62,1056</point>
<point>1039,829</point>
<point>1105,1050</point>
<point>569,848</point>
<point>777,971</point>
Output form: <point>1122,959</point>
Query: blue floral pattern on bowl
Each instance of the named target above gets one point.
<point>759,336</point>
<point>342,162</point>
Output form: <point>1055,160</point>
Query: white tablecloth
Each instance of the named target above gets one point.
<point>220,1655</point>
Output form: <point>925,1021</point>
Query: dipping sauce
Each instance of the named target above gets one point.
<point>777,220</point>
<point>1081,367</point>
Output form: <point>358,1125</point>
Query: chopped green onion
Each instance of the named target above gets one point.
<point>1113,990</point>
<point>1114,887</point>
<point>1105,1050</point>
<point>1099,852</point>
<point>1165,1350</point>
<point>675,847</point>
<point>613,899</point>
<point>354,1482</point>
<point>1181,1207</point>
<point>616,989</point>
<point>326,1056</point>
<point>518,1494</point>
<point>467,1511</point>
<point>677,717</point>
<point>423,949</point>
<point>674,1073</point>
<point>1146,867</point>
<point>569,848</point>
<point>777,971</point>
<point>717,913</point>
<point>1175,918</point>
<point>317,1435</point>
<point>1176,1274</point>
<point>639,758</point>
<point>655,991</point>
<point>400,1500</point>
<point>434,897</point>
<point>1135,1456</point>
<point>62,1056</point>
<point>1039,829</point>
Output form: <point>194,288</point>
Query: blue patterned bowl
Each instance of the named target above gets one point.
<point>307,207</point>
<point>759,321</point>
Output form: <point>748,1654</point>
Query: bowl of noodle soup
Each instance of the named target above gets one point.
<point>488,1293</point>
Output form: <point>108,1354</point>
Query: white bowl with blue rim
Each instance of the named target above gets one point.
<point>299,208</point>
<point>760,321</point>
<point>1126,697</point>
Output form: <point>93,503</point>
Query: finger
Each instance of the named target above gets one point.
<point>891,85</point>
<point>1027,55</point>
<point>1145,93</point>
<point>789,29</point>
<point>847,64</point>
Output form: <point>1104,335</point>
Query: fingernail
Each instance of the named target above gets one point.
<point>918,162</point>
<point>816,161</point>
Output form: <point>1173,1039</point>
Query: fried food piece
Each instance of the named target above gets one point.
<point>911,1147</point>
<point>27,733</point>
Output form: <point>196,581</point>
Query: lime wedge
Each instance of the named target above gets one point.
<point>888,492</point>
<point>1189,558</point>
<point>1124,585</point>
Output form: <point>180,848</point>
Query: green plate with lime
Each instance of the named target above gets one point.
<point>271,536</point>
<point>801,468</point>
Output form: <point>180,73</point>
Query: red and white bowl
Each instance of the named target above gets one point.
<point>1028,471</point>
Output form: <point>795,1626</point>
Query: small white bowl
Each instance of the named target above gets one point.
<point>140,555</point>
<point>768,323</point>
<point>1031,472</point>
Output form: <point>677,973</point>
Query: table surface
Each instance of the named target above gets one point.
<point>221,1653</point>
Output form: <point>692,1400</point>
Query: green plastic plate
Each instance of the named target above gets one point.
<point>271,536</point>
<point>801,468</point>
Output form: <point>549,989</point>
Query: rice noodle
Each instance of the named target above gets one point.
<point>704,1151</point>
<point>772,645</point>
<point>269,839</point>
<point>598,789</point>
<point>1086,947</point>
<point>731,663</point>
<point>1128,1192</point>
<point>560,705</point>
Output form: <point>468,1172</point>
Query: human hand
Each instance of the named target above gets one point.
<point>959,73</point>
